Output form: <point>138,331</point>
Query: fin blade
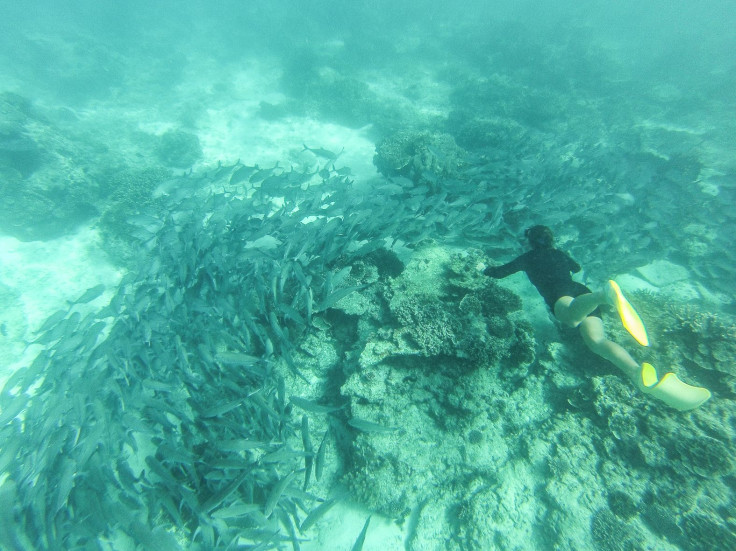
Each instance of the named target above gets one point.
<point>630,319</point>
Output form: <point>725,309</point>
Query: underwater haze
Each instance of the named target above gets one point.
<point>242,290</point>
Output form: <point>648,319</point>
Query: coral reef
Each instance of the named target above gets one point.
<point>430,368</point>
<point>472,131</point>
<point>705,456</point>
<point>622,505</point>
<point>698,240</point>
<point>47,189</point>
<point>426,325</point>
<point>441,306</point>
<point>178,149</point>
<point>423,157</point>
<point>387,263</point>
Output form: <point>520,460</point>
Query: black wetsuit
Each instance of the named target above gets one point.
<point>549,270</point>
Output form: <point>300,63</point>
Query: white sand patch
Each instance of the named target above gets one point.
<point>661,273</point>
<point>417,89</point>
<point>231,128</point>
<point>230,134</point>
<point>341,526</point>
<point>630,283</point>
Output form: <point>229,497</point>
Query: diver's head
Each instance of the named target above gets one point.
<point>540,237</point>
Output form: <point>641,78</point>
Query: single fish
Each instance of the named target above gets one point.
<point>281,394</point>
<point>319,460</point>
<point>286,521</point>
<point>284,453</point>
<point>316,514</point>
<point>324,153</point>
<point>264,243</point>
<point>52,320</point>
<point>222,409</point>
<point>237,359</point>
<point>312,407</point>
<point>239,445</point>
<point>275,494</point>
<point>292,314</point>
<point>162,472</point>
<point>262,174</point>
<point>168,504</point>
<point>14,380</point>
<point>234,511</point>
<point>369,426</point>
<point>340,276</point>
<point>358,545</point>
<point>217,498</point>
<point>308,451</point>
<point>338,295</point>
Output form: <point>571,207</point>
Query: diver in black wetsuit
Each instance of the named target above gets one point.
<point>574,305</point>
<point>548,269</point>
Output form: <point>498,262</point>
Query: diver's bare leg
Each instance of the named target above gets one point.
<point>594,336</point>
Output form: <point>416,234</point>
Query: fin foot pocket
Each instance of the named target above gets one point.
<point>648,375</point>
<point>672,391</point>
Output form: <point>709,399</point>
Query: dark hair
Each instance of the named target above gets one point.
<point>540,237</point>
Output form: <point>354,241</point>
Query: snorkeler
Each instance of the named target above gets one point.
<point>574,305</point>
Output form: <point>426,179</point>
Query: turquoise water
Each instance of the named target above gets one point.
<point>241,275</point>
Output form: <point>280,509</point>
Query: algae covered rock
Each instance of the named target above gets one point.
<point>483,523</point>
<point>428,325</point>
<point>612,534</point>
<point>662,522</point>
<point>18,152</point>
<point>622,505</point>
<point>707,533</point>
<point>319,89</point>
<point>705,456</point>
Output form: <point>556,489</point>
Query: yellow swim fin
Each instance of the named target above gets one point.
<point>631,320</point>
<point>671,390</point>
